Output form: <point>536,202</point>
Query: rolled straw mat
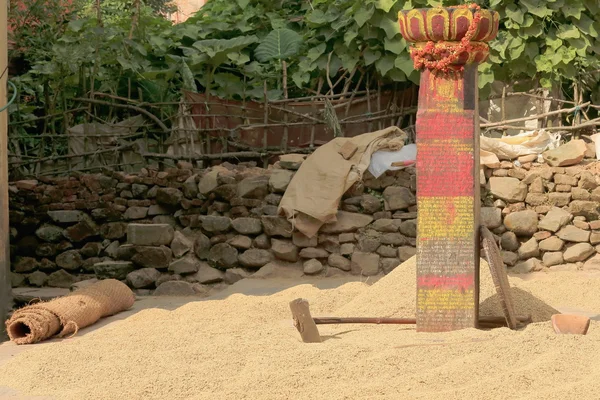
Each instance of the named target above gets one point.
<point>66,315</point>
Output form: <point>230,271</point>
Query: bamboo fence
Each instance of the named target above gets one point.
<point>98,132</point>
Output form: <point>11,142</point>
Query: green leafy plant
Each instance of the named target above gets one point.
<point>231,48</point>
<point>279,44</point>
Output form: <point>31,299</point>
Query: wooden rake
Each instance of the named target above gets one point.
<point>307,324</point>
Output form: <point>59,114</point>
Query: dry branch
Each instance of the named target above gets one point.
<point>532,117</point>
<point>130,107</point>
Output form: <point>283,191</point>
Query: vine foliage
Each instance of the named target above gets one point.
<point>230,48</point>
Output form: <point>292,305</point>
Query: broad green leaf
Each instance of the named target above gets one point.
<point>573,9</point>
<point>534,30</point>
<point>546,83</point>
<point>544,64</point>
<point>494,3</point>
<point>280,44</point>
<point>385,5</point>
<point>349,36</point>
<point>554,44</point>
<point>532,50</point>
<point>238,58</point>
<point>515,13</point>
<point>415,77</point>
<point>404,63</point>
<point>319,17</point>
<point>586,25</point>
<point>187,77</point>
<point>253,68</point>
<point>77,24</point>
<point>593,6</point>
<point>342,23</point>
<point>486,75</point>
<point>385,64</point>
<point>568,32</point>
<point>390,27</point>
<point>371,56</point>
<point>300,78</point>
<point>218,49</point>
<point>581,43</point>
<point>567,54</point>
<point>396,46</point>
<point>515,52</point>
<point>364,14</point>
<point>315,52</point>
<point>396,75</point>
<point>334,65</point>
<point>537,7</point>
<point>229,84</point>
<point>527,21</point>
<point>243,3</point>
<point>349,60</point>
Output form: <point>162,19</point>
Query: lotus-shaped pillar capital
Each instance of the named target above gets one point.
<point>445,38</point>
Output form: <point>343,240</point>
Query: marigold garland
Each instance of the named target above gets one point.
<point>447,54</point>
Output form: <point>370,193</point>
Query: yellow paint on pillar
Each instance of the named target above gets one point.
<point>445,299</point>
<point>445,217</point>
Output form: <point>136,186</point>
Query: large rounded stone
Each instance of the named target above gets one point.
<point>578,252</point>
<point>223,255</point>
<point>247,226</point>
<point>511,190</point>
<point>143,278</point>
<point>255,258</point>
<point>284,250</point>
<point>49,233</point>
<point>312,267</point>
<point>491,217</point>
<point>69,260</point>
<point>202,246</point>
<point>339,261</point>
<point>509,241</point>
<point>152,257</point>
<point>522,223</point>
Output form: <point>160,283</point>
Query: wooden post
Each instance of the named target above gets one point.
<point>5,292</point>
<point>304,322</point>
<point>447,163</point>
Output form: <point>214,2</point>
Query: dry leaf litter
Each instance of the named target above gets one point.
<point>245,347</point>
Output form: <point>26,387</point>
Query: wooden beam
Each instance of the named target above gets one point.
<point>5,290</point>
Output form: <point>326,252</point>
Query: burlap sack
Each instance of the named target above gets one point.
<point>66,315</point>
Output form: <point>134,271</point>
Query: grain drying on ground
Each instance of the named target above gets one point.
<point>245,347</point>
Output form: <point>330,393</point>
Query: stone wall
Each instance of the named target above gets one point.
<point>194,230</point>
<point>201,227</point>
<point>545,217</point>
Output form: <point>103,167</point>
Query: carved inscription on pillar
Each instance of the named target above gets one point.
<point>447,200</point>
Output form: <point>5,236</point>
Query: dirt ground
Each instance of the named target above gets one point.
<point>240,344</point>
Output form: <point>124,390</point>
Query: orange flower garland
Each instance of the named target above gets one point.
<point>446,54</point>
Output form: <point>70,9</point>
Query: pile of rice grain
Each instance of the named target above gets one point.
<point>245,347</point>
<point>395,296</point>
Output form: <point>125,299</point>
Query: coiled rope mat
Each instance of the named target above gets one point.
<point>66,315</point>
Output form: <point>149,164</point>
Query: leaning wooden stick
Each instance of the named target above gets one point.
<point>307,325</point>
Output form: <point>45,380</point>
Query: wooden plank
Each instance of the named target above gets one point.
<point>448,202</point>
<point>304,322</point>
<point>499,276</point>
<point>5,296</point>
